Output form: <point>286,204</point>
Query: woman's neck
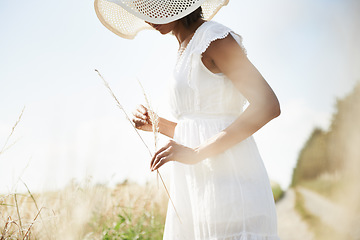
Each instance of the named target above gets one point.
<point>184,34</point>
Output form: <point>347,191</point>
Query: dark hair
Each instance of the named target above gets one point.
<point>188,20</point>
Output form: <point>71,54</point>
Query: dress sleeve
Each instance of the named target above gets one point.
<point>214,31</point>
<point>201,41</point>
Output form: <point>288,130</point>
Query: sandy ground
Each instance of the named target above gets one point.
<point>290,224</point>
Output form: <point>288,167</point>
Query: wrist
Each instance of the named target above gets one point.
<point>199,154</point>
<point>166,127</point>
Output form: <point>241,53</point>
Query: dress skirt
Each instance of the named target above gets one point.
<point>227,197</point>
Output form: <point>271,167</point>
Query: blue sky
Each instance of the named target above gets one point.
<point>307,50</point>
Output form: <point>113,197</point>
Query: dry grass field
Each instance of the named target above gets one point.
<point>85,211</point>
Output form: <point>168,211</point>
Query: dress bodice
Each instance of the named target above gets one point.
<point>195,90</point>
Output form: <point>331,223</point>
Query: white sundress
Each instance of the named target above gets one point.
<point>226,197</point>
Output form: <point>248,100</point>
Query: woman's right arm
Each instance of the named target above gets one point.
<point>142,121</point>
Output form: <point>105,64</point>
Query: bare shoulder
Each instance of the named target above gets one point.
<point>226,55</point>
<point>227,44</point>
<point>225,49</point>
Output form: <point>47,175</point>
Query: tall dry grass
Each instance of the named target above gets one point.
<point>155,127</point>
<point>349,193</point>
<point>341,186</point>
<point>84,211</point>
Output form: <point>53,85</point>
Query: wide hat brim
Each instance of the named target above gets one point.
<point>126,18</point>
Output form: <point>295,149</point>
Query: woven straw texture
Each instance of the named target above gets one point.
<point>127,17</point>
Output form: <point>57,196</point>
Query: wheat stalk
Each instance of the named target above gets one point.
<point>32,223</point>
<point>37,207</point>
<point>154,119</point>
<point>122,109</point>
<point>127,117</point>
<point>3,149</point>
<point>6,228</point>
<point>18,213</point>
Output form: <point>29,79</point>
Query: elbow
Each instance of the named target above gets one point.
<point>271,109</point>
<point>268,110</point>
<point>275,109</point>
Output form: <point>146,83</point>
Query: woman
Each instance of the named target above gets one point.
<point>219,184</point>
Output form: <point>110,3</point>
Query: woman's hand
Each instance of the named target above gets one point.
<point>141,119</point>
<point>174,151</point>
<point>143,122</point>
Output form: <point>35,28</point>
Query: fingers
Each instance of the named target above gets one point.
<point>141,112</point>
<point>161,159</point>
<point>162,156</point>
<point>157,153</point>
<point>147,112</point>
<point>141,117</point>
<point>139,123</point>
<point>142,109</point>
<point>161,162</point>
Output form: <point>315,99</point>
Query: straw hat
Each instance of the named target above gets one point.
<point>127,17</point>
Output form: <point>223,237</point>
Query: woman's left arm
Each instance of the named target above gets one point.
<point>227,56</point>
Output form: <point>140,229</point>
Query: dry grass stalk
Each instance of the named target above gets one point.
<point>4,148</point>
<point>8,224</point>
<point>21,222</point>
<point>81,211</point>
<point>154,118</point>
<point>18,213</point>
<point>9,146</point>
<point>28,230</point>
<point>37,207</point>
<point>122,109</point>
<point>127,117</point>
<point>20,176</point>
